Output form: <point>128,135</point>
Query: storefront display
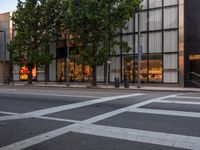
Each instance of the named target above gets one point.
<point>24,73</point>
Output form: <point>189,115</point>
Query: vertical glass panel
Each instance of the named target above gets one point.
<point>143,69</point>
<point>170,2</point>
<point>15,72</point>
<point>155,19</point>
<point>155,68</point>
<point>155,3</point>
<point>171,77</point>
<point>170,61</point>
<point>60,69</point>
<point>52,71</point>
<point>78,74</point>
<point>129,40</point>
<point>170,41</point>
<point>143,43</point>
<point>129,26</point>
<point>170,17</point>
<point>143,21</point>
<point>116,49</point>
<point>144,4</point>
<point>100,73</point>
<point>115,68</point>
<point>155,42</point>
<point>52,48</point>
<point>41,73</point>
<point>127,68</point>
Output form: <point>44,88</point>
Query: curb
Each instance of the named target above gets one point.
<point>146,88</point>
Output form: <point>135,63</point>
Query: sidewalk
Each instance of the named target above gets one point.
<point>110,86</point>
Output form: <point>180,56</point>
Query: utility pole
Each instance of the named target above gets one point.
<point>4,54</point>
<point>139,50</point>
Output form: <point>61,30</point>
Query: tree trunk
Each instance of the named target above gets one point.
<point>94,76</point>
<point>30,68</point>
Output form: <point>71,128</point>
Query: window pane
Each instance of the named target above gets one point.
<point>171,41</point>
<point>127,68</point>
<point>170,2</point>
<point>129,26</point>
<point>171,77</point>
<point>52,72</point>
<point>155,42</point>
<point>155,19</point>
<point>155,68</point>
<point>143,43</point>
<point>143,21</point>
<point>115,68</point>
<point>170,17</point>
<point>144,4</point>
<point>155,3</point>
<point>129,40</point>
<point>170,61</point>
<point>100,73</point>
<point>143,68</point>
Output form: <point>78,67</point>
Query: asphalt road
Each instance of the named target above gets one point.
<point>98,119</point>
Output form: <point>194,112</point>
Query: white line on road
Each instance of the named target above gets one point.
<point>186,97</point>
<point>58,119</point>
<point>77,105</point>
<point>119,111</point>
<point>178,102</point>
<point>49,94</point>
<point>76,127</point>
<point>8,113</point>
<point>166,112</point>
<point>164,139</point>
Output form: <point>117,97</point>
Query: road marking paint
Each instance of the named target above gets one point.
<point>141,136</point>
<point>49,94</point>
<point>119,111</point>
<point>178,102</point>
<point>57,119</point>
<point>165,112</point>
<point>186,97</point>
<point>8,113</point>
<point>159,138</point>
<point>14,117</point>
<point>77,105</point>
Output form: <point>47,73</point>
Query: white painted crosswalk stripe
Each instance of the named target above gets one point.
<point>178,102</point>
<point>165,112</point>
<point>188,97</point>
<point>164,139</point>
<point>83,125</point>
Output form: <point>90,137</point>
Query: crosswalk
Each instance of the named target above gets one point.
<point>93,126</point>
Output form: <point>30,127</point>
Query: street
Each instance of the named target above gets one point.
<point>38,118</point>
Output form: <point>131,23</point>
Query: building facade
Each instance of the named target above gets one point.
<point>5,37</point>
<point>170,35</point>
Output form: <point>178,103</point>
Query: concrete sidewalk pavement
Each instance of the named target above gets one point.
<point>110,86</point>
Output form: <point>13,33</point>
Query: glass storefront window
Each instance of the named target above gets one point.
<point>155,68</point>
<point>128,68</point>
<point>61,69</point>
<point>24,73</point>
<point>143,69</point>
<point>79,72</point>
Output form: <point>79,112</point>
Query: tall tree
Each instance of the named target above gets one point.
<point>96,24</point>
<point>32,35</point>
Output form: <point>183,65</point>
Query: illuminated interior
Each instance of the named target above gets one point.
<point>24,73</point>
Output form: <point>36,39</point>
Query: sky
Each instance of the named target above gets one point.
<point>7,5</point>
